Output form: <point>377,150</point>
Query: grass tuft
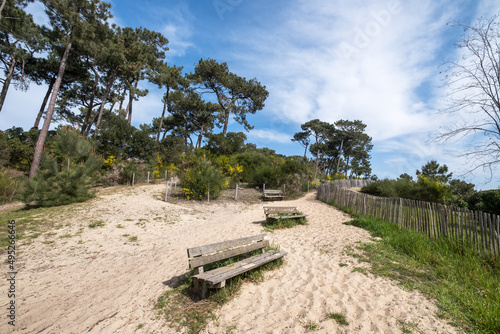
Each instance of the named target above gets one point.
<point>339,318</point>
<point>275,224</point>
<point>96,223</point>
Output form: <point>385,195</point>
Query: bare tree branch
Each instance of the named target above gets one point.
<point>474,89</point>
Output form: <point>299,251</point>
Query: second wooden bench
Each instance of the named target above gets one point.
<point>270,194</point>
<point>282,212</point>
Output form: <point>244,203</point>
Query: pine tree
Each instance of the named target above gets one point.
<point>77,21</point>
<point>67,172</point>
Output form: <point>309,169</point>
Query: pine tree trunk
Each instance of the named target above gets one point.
<point>1,7</point>
<point>130,100</point>
<point>163,114</point>
<point>200,137</point>
<point>48,118</point>
<point>122,98</point>
<point>44,103</point>
<point>226,121</point>
<point>6,84</point>
<point>103,103</point>
<point>85,126</point>
<point>317,164</point>
<point>347,166</point>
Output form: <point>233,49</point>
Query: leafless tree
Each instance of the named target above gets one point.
<point>473,83</point>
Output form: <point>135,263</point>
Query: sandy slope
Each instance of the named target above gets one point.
<point>99,281</point>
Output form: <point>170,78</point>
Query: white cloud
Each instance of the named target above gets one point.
<point>178,39</point>
<point>310,76</point>
<point>269,135</point>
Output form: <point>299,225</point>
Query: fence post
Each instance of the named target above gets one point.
<point>166,193</point>
<point>236,193</point>
<point>209,194</point>
<point>133,179</point>
<point>264,187</point>
<point>148,176</point>
<point>165,175</point>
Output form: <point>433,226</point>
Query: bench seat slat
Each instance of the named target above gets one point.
<point>218,275</point>
<point>286,217</point>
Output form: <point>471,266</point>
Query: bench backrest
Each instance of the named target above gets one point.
<point>269,210</point>
<point>272,192</point>
<point>199,256</point>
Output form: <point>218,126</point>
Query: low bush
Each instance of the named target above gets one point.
<point>201,179</point>
<point>425,189</point>
<point>486,201</point>
<point>10,186</point>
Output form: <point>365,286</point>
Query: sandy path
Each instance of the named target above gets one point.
<point>99,281</point>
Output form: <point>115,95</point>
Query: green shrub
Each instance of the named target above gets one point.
<point>431,190</point>
<point>4,150</point>
<point>202,178</point>
<point>425,189</point>
<point>384,188</point>
<point>486,201</point>
<point>9,187</point>
<point>66,174</point>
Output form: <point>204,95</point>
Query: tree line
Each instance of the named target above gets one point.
<point>93,70</point>
<point>339,148</point>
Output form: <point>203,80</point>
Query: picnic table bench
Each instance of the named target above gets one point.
<point>282,212</point>
<point>273,194</point>
<point>216,278</point>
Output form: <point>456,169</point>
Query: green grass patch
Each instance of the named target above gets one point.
<point>339,318</point>
<point>30,222</point>
<point>311,326</point>
<point>465,285</point>
<point>97,223</point>
<point>184,311</point>
<point>283,222</point>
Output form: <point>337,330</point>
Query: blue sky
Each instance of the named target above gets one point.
<point>376,61</point>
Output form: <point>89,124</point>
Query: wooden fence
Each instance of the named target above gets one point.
<point>481,230</point>
<point>351,183</point>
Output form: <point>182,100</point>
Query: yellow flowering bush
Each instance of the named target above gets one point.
<point>158,167</point>
<point>433,190</point>
<point>201,179</point>
<point>109,162</point>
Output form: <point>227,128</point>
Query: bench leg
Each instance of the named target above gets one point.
<point>203,290</point>
<point>200,288</point>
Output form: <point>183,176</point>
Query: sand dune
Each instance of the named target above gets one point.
<point>100,280</point>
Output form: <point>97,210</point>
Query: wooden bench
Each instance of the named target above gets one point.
<point>272,194</point>
<point>216,278</point>
<point>282,212</point>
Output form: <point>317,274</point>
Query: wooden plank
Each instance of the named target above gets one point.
<point>220,246</point>
<point>278,209</point>
<point>225,254</point>
<point>285,217</point>
<point>218,275</point>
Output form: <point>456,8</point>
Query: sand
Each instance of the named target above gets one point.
<point>100,280</point>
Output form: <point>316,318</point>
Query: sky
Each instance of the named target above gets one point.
<point>376,61</point>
